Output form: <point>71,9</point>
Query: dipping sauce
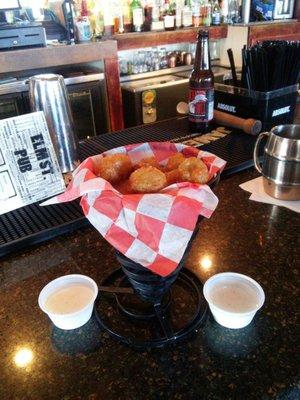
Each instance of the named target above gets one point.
<point>69,299</point>
<point>237,297</point>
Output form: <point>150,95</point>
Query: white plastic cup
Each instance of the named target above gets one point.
<point>70,320</point>
<point>230,319</point>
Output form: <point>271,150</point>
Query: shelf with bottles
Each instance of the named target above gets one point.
<point>131,22</point>
<point>150,61</point>
<point>163,15</point>
<point>140,23</point>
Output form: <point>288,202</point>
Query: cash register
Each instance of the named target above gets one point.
<point>20,33</point>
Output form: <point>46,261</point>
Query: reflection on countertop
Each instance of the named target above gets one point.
<point>39,361</point>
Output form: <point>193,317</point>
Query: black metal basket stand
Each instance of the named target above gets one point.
<point>146,309</point>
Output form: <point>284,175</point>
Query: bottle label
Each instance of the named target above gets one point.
<point>187,18</point>
<point>178,17</point>
<point>84,32</point>
<point>201,105</point>
<point>216,19</point>
<point>137,16</point>
<point>169,21</point>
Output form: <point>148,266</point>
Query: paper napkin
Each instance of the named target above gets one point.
<point>255,187</point>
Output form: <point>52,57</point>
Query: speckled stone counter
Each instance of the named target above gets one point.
<point>257,362</point>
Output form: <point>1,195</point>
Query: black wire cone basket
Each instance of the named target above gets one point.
<point>147,285</point>
<point>154,296</point>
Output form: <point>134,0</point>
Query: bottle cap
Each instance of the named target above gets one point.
<point>202,33</point>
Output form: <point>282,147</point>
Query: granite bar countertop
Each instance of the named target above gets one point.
<point>257,362</point>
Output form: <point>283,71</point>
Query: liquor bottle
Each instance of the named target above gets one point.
<point>169,16</point>
<point>187,14</point>
<point>96,18</point>
<point>108,18</point>
<point>178,15</point>
<point>83,26</point>
<point>92,15</point>
<point>119,23</point>
<point>157,23</point>
<point>233,11</point>
<point>196,13</point>
<point>201,2</point>
<point>99,24</point>
<point>69,15</point>
<point>126,15</point>
<point>118,17</point>
<point>148,15</point>
<point>137,13</point>
<point>216,13</point>
<point>207,13</point>
<point>224,11</point>
<point>84,12</point>
<point>202,11</point>
<point>201,87</point>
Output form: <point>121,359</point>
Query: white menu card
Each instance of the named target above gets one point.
<point>29,170</point>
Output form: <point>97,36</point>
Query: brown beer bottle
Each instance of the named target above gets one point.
<point>201,87</point>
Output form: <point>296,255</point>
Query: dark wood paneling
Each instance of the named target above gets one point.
<point>129,41</point>
<point>115,106</point>
<point>278,31</point>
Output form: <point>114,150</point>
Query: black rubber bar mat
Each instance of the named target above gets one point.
<point>34,224</point>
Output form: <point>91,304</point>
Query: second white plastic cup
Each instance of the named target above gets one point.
<point>232,319</point>
<point>70,320</point>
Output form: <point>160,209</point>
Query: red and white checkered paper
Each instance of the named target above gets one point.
<point>150,229</point>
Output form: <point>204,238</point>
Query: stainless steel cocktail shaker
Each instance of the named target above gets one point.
<point>48,93</point>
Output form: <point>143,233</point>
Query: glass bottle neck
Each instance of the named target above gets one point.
<point>135,3</point>
<point>202,58</point>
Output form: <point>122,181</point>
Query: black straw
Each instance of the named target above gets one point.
<point>232,66</point>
